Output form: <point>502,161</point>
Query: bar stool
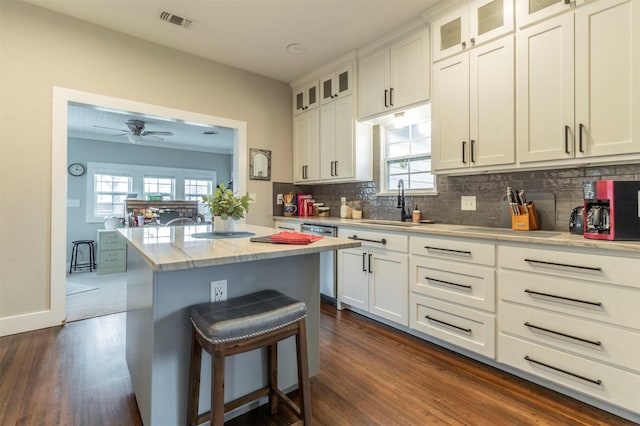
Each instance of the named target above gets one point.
<point>74,265</point>
<point>240,325</point>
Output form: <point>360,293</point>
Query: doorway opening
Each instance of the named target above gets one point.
<point>61,205</point>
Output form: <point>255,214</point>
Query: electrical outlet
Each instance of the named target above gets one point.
<point>218,290</point>
<point>468,202</point>
<point>279,199</point>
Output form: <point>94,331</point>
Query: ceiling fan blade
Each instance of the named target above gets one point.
<point>111,128</point>
<point>152,132</point>
<point>152,137</point>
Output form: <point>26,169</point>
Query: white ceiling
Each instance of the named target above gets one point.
<point>252,34</point>
<point>89,122</point>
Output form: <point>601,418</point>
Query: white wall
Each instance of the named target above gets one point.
<point>40,49</point>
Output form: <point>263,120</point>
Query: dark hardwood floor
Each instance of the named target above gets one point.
<point>370,374</point>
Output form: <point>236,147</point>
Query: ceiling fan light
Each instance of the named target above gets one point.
<point>135,138</point>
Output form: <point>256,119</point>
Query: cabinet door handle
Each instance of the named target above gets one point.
<point>391,97</point>
<point>464,148</point>
<point>468,287</point>
<point>463,252</point>
<point>471,148</point>
<point>464,45</point>
<point>580,339</point>
<point>564,265</point>
<point>578,376</point>
<point>554,296</point>
<point>566,140</point>
<point>364,262</point>
<point>386,105</point>
<point>335,167</point>
<point>466,330</point>
<point>370,271</point>
<point>581,130</point>
<point>332,168</point>
<point>473,41</point>
<point>382,241</point>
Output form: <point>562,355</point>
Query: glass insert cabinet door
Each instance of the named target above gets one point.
<point>336,84</point>
<point>531,11</point>
<point>306,97</point>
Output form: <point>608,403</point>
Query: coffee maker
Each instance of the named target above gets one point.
<point>614,213</point>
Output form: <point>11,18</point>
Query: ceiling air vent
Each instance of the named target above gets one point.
<point>175,19</point>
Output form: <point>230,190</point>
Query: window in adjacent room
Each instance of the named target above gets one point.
<point>407,153</point>
<point>110,191</point>
<point>159,186</point>
<point>194,189</point>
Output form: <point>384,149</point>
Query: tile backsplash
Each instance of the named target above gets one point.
<point>489,189</point>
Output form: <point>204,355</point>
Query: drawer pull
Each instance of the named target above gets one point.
<point>586,379</point>
<point>286,227</point>
<point>591,342</point>
<point>466,330</point>
<point>464,252</point>
<point>448,283</point>
<point>355,237</point>
<point>564,265</point>
<point>111,260</point>
<point>586,302</point>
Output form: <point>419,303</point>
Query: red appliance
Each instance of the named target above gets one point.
<point>614,213</point>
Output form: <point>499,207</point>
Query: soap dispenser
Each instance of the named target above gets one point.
<point>344,209</point>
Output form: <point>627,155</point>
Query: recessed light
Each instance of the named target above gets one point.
<point>295,48</point>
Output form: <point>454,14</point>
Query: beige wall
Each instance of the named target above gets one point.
<point>41,49</point>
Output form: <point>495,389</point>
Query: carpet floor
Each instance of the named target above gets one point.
<point>91,295</point>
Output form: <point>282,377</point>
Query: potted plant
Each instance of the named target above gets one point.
<point>226,208</point>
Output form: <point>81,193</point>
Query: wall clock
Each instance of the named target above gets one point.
<point>76,169</point>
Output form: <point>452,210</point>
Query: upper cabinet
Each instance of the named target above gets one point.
<point>531,11</point>
<point>477,23</point>
<point>577,84</point>
<point>336,83</point>
<point>394,76</point>
<point>306,96</point>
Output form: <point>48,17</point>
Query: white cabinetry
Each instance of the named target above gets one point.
<point>472,25</point>
<point>395,76</point>
<point>112,253</point>
<point>531,11</point>
<point>571,318</point>
<point>305,96</point>
<point>286,225</point>
<point>374,277</point>
<point>345,144</point>
<point>474,107</point>
<point>336,83</point>
<point>578,88</point>
<point>306,146</point>
<point>452,296</point>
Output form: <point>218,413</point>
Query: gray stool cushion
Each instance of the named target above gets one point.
<point>246,316</point>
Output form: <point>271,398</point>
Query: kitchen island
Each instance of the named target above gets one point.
<point>171,268</point>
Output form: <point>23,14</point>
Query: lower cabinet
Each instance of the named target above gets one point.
<point>373,277</point>
<point>112,253</point>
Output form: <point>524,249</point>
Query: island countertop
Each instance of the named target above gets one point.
<point>176,248</point>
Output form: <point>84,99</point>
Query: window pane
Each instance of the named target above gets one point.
<point>421,146</point>
<point>397,135</point>
<point>398,167</point>
<point>393,181</point>
<point>110,193</point>
<point>400,149</point>
<point>422,181</point>
<point>421,130</point>
<point>194,189</point>
<point>421,166</point>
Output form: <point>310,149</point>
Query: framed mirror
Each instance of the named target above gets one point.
<point>259,164</point>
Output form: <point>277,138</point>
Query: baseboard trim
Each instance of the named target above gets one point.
<point>28,322</point>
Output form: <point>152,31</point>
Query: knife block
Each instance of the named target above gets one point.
<point>527,220</point>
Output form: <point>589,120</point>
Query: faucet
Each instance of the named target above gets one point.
<point>404,214</point>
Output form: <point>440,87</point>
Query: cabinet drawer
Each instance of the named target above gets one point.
<point>469,285</point>
<point>584,266</point>
<point>112,258</point>
<point>110,241</point>
<point>609,303</point>
<point>607,383</point>
<point>461,326</point>
<point>454,249</point>
<point>609,344</point>
<point>373,238</point>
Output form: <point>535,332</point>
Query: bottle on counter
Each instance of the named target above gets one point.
<point>344,209</point>
<point>415,217</point>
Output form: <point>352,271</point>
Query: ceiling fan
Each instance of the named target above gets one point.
<point>136,132</point>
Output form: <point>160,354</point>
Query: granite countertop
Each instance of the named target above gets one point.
<point>556,238</point>
<point>175,248</point>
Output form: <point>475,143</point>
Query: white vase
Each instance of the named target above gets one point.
<point>224,225</point>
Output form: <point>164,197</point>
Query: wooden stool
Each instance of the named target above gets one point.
<point>239,325</point>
